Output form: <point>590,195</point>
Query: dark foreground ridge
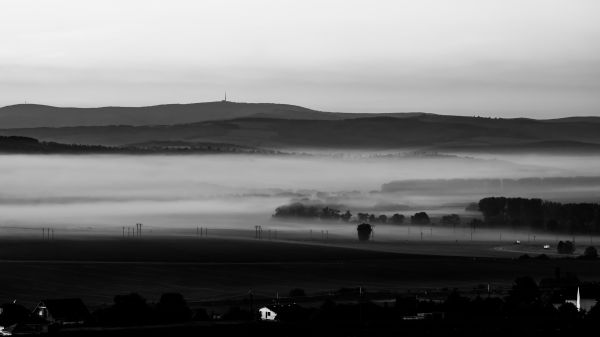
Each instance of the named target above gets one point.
<point>557,306</point>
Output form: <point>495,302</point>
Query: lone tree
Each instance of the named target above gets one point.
<point>382,218</point>
<point>565,247</point>
<point>590,253</point>
<point>452,219</point>
<point>346,216</point>
<point>172,307</point>
<point>364,231</point>
<point>420,218</point>
<point>397,219</point>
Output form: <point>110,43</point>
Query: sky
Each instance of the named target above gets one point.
<point>504,58</point>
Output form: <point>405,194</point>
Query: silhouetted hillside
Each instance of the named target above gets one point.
<point>430,132</point>
<point>33,115</point>
<point>25,145</point>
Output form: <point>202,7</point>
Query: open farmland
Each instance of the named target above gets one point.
<point>219,268</point>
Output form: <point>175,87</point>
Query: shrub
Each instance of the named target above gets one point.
<point>364,231</point>
<point>566,247</point>
<point>420,218</point>
<point>590,253</point>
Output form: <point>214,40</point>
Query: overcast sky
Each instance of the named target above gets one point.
<point>469,57</point>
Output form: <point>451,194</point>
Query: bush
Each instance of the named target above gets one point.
<point>172,307</point>
<point>364,231</point>
<point>452,219</point>
<point>397,219</point>
<point>420,218</point>
<point>590,253</point>
<point>130,309</point>
<point>566,247</point>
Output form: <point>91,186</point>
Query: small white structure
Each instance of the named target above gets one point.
<point>267,314</point>
<point>4,332</point>
<point>582,304</point>
<point>576,302</point>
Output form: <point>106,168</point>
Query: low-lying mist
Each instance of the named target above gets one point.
<point>240,190</point>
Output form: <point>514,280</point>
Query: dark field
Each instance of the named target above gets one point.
<point>213,268</point>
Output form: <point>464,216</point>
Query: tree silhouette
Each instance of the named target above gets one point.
<point>364,231</point>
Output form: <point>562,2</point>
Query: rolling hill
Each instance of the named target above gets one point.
<point>428,133</point>
<point>278,126</point>
<point>33,115</point>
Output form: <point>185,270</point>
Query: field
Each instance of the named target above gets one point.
<point>90,201</point>
<point>221,268</point>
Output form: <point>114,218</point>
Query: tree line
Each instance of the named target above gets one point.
<point>19,145</point>
<point>541,214</point>
<point>333,212</point>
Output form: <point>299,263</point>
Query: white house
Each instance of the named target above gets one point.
<point>267,314</point>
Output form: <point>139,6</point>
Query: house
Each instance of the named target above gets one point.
<point>16,319</point>
<point>283,312</point>
<point>267,313</point>
<point>66,311</point>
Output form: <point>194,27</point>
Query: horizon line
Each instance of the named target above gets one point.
<point>296,105</point>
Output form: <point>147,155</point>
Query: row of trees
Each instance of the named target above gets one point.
<point>537,213</point>
<point>300,210</point>
<point>316,211</point>
<point>396,219</point>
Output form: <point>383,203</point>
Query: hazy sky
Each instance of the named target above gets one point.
<point>472,57</point>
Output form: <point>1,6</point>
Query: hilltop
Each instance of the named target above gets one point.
<point>278,126</point>
<point>34,115</point>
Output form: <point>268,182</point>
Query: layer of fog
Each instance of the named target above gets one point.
<point>237,191</point>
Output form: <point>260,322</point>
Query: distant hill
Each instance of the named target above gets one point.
<point>26,145</point>
<point>419,131</point>
<point>268,125</point>
<point>33,115</point>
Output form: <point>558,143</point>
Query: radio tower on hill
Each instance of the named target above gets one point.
<point>225,98</point>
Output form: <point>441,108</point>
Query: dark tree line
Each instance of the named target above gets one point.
<point>396,219</point>
<point>318,211</point>
<point>537,213</point>
<point>132,309</point>
<point>18,145</point>
<point>300,210</point>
